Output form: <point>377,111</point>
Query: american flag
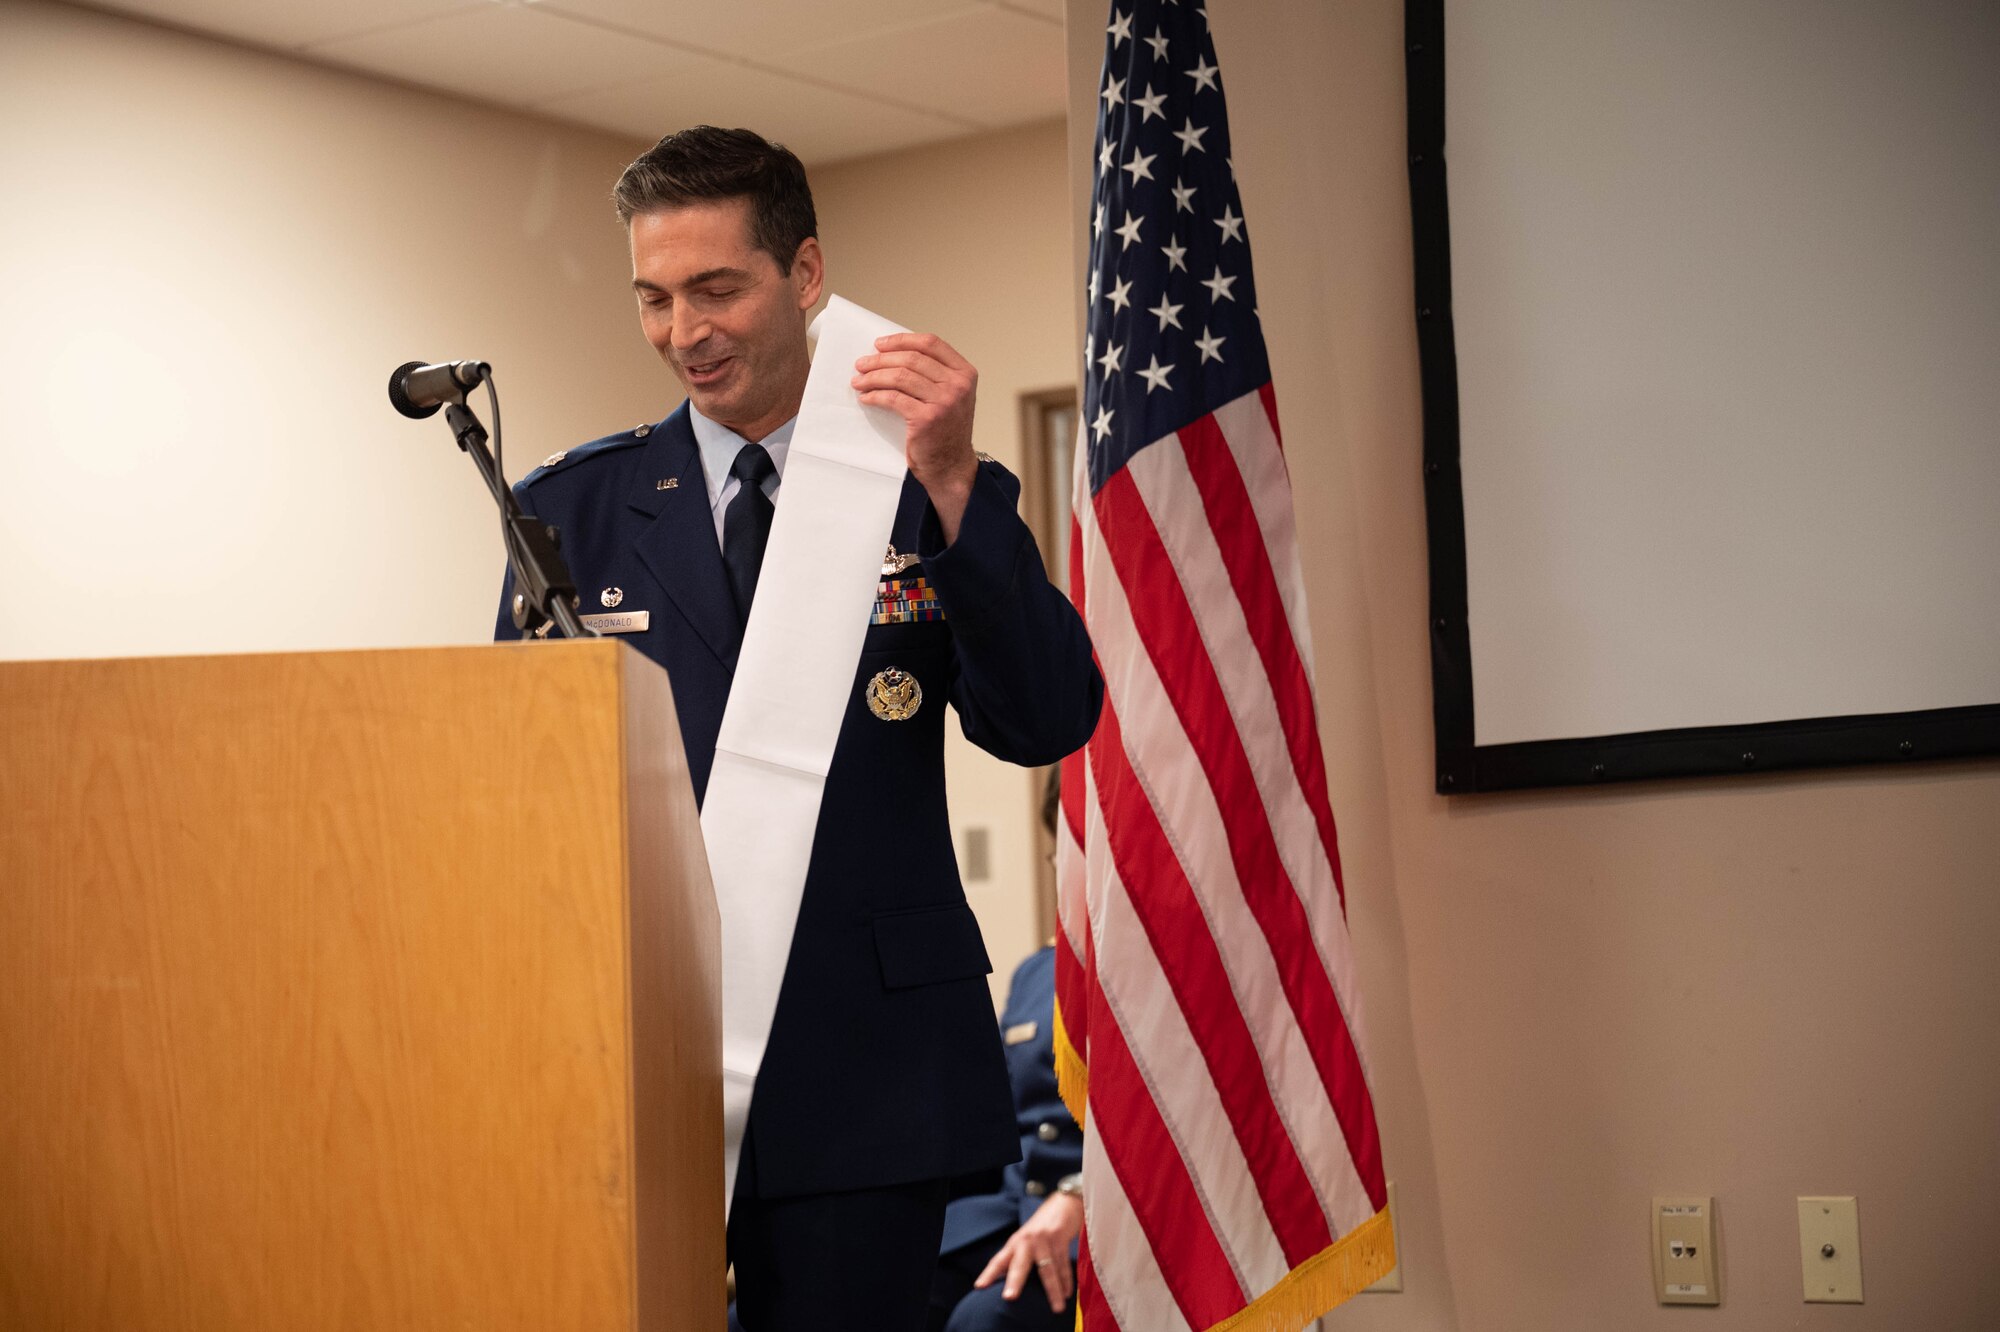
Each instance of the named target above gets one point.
<point>1205,1021</point>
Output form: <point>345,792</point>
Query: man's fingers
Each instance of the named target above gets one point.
<point>1017,1272</point>
<point>902,404</point>
<point>992,1268</point>
<point>930,344</point>
<point>903,381</point>
<point>1055,1278</point>
<point>930,367</point>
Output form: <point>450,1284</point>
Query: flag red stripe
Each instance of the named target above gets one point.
<point>1233,520</point>
<point>1156,1183</point>
<point>1166,626</point>
<point>1191,963</point>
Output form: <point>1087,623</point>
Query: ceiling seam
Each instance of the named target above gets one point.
<point>588,21</point>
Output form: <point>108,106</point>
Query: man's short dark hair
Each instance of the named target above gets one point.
<point>704,163</point>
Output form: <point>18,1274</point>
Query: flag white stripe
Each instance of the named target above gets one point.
<point>1262,463</point>
<point>1174,501</point>
<point>1166,764</point>
<point>1120,1255</point>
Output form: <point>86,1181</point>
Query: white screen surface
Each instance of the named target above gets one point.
<point>1727,308</point>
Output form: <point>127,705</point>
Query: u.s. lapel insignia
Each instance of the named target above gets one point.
<point>893,564</point>
<point>611,596</point>
<point>668,483</point>
<point>894,695</point>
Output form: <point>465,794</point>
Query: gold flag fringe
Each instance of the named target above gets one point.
<point>1072,1075</point>
<point>1337,1273</point>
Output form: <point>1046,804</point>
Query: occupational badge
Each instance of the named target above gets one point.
<point>894,563</point>
<point>611,596</point>
<point>894,695</point>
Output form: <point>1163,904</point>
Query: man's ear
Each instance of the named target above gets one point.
<point>808,272</point>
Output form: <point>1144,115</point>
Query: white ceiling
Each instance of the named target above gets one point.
<point>831,79</point>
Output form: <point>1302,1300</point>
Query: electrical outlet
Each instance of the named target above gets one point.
<point>1830,1250</point>
<point>978,863</point>
<point>1685,1262</point>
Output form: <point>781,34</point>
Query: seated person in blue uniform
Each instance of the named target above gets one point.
<point>1007,1259</point>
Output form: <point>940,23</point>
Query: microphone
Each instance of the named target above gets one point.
<point>418,390</point>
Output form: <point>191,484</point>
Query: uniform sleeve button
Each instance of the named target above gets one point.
<point>640,432</point>
<point>1035,1188</point>
<point>1046,1132</point>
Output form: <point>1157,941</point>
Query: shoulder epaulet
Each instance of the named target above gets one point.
<point>569,458</point>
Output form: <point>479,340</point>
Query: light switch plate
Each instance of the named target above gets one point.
<point>1685,1258</point>
<point>1830,1250</point>
<point>1391,1282</point>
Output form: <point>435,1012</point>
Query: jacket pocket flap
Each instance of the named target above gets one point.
<point>928,946</point>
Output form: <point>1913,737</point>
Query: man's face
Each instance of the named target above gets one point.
<point>720,312</point>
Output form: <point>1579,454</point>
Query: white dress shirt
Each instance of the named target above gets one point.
<point>719,446</point>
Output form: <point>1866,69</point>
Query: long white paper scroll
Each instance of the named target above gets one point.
<point>843,480</point>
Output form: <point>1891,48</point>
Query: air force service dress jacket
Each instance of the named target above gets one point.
<point>884,1064</point>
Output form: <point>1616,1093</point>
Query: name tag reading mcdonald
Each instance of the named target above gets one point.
<point>628,622</point>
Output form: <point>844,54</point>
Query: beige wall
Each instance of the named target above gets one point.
<point>1754,988</point>
<point>970,240</point>
<point>212,258</point>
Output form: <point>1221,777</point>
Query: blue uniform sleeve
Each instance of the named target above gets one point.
<point>503,628</point>
<point>1023,679</point>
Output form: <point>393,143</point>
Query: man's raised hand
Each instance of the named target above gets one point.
<point>922,379</point>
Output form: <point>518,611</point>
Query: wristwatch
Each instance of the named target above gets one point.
<point>1071,1184</point>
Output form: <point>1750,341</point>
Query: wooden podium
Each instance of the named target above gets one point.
<point>355,990</point>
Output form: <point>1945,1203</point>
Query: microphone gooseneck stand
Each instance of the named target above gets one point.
<point>544,593</point>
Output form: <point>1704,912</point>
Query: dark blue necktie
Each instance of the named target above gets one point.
<point>746,525</point>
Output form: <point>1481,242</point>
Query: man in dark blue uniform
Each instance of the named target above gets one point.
<point>883,1075</point>
<point>1007,1259</point>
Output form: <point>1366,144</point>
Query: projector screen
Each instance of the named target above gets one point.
<point>1724,293</point>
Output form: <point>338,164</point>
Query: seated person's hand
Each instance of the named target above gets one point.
<point>1041,1246</point>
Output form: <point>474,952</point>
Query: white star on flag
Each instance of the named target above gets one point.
<point>1113,94</point>
<point>1129,233</point>
<point>1232,227</point>
<point>1190,137</point>
<point>1169,314</point>
<point>1183,197</point>
<point>1149,105</point>
<point>1110,360</point>
<point>1155,374</point>
<point>1158,42</point>
<point>1121,295</point>
<point>1141,166</point>
<point>1102,425</point>
<point>1176,256</point>
<point>1204,74</point>
<point>1210,345</point>
<point>1218,286</point>
<point>1120,29</point>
